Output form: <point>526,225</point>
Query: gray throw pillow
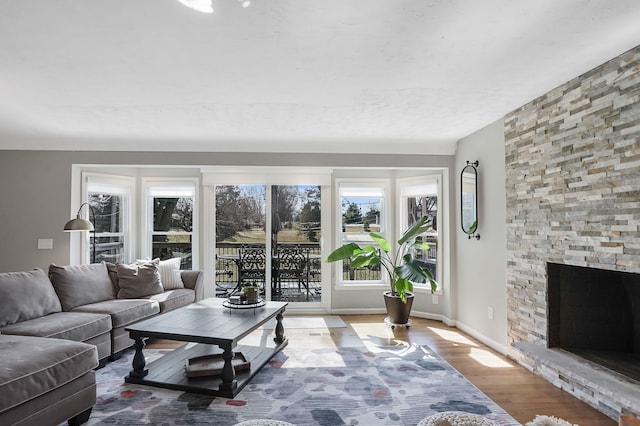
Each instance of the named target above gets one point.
<point>78,285</point>
<point>25,296</point>
<point>139,280</point>
<point>112,268</point>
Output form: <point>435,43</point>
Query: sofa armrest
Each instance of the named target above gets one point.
<point>195,281</point>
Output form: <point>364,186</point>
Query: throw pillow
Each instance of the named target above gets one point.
<point>170,274</point>
<point>81,284</point>
<point>26,295</point>
<point>112,268</point>
<point>139,280</point>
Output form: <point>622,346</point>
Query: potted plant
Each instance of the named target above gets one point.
<point>401,267</point>
<point>251,291</point>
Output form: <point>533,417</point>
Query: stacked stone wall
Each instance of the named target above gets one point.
<point>572,186</point>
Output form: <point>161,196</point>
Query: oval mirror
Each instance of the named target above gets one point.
<point>469,198</point>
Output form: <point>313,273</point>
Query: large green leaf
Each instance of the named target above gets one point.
<point>434,285</point>
<point>420,245</point>
<point>370,249</point>
<point>412,271</point>
<point>363,258</point>
<point>344,252</point>
<point>420,227</point>
<point>375,261</point>
<point>382,242</point>
<point>402,285</point>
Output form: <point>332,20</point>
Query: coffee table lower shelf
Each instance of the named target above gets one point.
<point>169,372</point>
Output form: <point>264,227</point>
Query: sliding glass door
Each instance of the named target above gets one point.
<point>240,238</point>
<point>295,243</point>
<point>268,235</point>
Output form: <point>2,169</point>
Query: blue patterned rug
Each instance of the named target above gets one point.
<point>326,387</point>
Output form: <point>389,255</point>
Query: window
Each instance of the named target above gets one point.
<point>110,200</point>
<point>171,221</point>
<point>362,210</point>
<point>419,197</point>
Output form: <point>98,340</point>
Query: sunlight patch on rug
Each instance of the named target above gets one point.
<point>344,386</point>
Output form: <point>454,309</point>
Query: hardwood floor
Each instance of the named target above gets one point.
<point>521,393</point>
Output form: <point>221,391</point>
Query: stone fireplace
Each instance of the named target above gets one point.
<point>573,202</point>
<point>595,313</point>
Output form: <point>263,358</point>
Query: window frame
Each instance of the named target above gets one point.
<point>386,218</point>
<point>92,183</point>
<point>401,197</point>
<point>147,210</point>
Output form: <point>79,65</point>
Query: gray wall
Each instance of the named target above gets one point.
<point>481,264</point>
<point>35,188</point>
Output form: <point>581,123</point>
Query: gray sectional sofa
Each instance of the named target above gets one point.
<point>75,316</point>
<point>46,381</point>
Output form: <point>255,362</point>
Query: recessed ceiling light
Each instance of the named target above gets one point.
<point>203,6</point>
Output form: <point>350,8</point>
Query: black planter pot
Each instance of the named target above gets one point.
<point>398,312</point>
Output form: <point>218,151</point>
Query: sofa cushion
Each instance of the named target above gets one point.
<point>26,295</point>
<point>78,326</point>
<point>81,284</point>
<point>172,299</point>
<point>33,366</point>
<point>123,311</point>
<point>56,407</point>
<point>170,274</point>
<point>138,280</point>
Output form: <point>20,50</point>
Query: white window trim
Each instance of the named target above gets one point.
<point>80,244</point>
<point>402,223</point>
<point>266,176</point>
<point>146,213</point>
<point>386,231</point>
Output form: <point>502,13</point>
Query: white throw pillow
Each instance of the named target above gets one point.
<point>170,274</point>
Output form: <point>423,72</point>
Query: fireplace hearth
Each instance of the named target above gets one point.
<point>595,314</point>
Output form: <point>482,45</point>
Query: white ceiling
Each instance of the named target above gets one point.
<point>375,76</point>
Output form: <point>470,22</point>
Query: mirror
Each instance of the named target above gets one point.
<point>469,199</point>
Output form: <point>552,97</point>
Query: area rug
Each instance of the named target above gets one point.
<point>293,322</point>
<point>344,386</point>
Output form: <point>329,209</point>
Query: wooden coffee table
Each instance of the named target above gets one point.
<point>211,329</point>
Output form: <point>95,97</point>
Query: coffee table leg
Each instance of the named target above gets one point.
<point>279,329</point>
<point>138,363</point>
<point>229,382</point>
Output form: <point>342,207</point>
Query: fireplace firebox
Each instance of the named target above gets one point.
<point>595,313</point>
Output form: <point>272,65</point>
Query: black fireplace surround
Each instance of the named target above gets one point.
<point>595,313</point>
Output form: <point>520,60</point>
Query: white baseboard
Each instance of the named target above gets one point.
<point>496,346</point>
<point>436,317</point>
